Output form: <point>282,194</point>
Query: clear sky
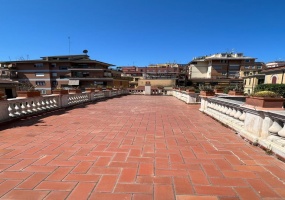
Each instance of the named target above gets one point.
<point>141,32</point>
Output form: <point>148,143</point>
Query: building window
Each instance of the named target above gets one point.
<point>54,83</point>
<point>63,67</point>
<point>53,64</point>
<point>223,61</point>
<point>40,83</point>
<point>259,67</point>
<point>247,61</point>
<point>43,91</point>
<point>40,74</point>
<point>39,65</point>
<point>244,81</point>
<point>54,74</point>
<point>246,67</point>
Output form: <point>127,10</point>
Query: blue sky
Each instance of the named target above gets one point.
<point>141,32</point>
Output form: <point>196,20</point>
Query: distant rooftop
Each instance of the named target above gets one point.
<point>225,56</point>
<point>71,58</point>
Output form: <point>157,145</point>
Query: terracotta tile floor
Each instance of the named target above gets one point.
<point>133,147</point>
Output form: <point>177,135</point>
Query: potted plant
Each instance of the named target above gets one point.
<point>91,88</point>
<point>265,99</point>
<point>190,89</point>
<point>218,89</point>
<point>206,90</point>
<point>237,90</point>
<point>60,91</point>
<point>26,89</point>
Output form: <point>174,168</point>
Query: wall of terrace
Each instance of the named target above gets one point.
<point>20,107</point>
<point>265,128</point>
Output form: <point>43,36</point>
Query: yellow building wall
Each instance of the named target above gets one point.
<point>158,82</point>
<point>268,78</point>
<point>120,83</point>
<point>249,84</point>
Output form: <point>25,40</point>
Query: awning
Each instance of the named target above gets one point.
<point>73,82</point>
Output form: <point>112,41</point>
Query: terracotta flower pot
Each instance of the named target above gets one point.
<point>60,91</point>
<point>234,93</point>
<point>89,89</point>
<point>265,102</point>
<point>207,93</point>
<point>28,94</point>
<point>74,91</point>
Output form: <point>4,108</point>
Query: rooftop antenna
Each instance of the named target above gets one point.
<point>69,45</point>
<point>85,51</point>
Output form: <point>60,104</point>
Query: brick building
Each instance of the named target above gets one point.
<point>66,71</point>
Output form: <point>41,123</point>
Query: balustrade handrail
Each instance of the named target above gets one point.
<point>20,107</point>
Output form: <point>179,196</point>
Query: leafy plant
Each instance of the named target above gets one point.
<point>26,86</point>
<point>207,88</point>
<point>277,88</point>
<point>265,94</point>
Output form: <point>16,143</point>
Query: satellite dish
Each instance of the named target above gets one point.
<point>85,51</point>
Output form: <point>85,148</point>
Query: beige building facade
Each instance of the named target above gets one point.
<point>275,75</point>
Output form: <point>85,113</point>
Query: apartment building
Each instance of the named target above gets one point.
<point>278,63</point>
<point>224,68</point>
<point>166,74</point>
<point>252,76</point>
<point>64,71</point>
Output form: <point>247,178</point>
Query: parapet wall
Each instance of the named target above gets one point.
<point>265,128</point>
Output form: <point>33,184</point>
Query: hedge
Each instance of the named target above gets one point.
<point>277,88</point>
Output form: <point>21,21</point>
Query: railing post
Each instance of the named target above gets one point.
<point>4,112</point>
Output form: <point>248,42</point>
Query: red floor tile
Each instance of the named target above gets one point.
<point>133,147</point>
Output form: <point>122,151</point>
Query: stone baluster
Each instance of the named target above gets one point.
<point>225,110</point>
<point>39,106</point>
<point>238,114</point>
<point>47,104</point>
<point>242,117</point>
<point>43,104</point>
<point>11,110</point>
<point>282,131</point>
<point>275,128</point>
<point>34,106</point>
<point>54,102</point>
<point>29,110</point>
<point>23,108</point>
<point>229,111</point>
<point>17,109</point>
<point>233,112</point>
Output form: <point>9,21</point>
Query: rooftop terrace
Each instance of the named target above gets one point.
<point>133,147</point>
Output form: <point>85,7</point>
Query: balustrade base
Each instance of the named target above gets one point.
<point>272,144</point>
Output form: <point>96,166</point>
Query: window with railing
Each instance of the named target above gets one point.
<point>38,65</point>
<point>41,83</point>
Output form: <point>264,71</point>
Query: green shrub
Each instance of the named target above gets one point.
<point>265,94</point>
<point>279,89</point>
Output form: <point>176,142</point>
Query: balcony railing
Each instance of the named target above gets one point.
<point>21,107</point>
